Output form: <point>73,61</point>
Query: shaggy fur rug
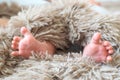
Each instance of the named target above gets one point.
<point>65,67</point>
<point>69,66</point>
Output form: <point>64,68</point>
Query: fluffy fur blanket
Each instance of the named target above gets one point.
<point>65,67</point>
<point>70,66</point>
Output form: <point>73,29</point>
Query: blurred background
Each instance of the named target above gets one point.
<point>7,10</point>
<point>25,2</point>
<point>29,2</point>
<point>109,4</point>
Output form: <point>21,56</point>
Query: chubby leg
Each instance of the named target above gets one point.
<point>24,46</point>
<point>99,50</point>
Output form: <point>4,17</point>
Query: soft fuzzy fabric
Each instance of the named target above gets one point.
<point>73,21</point>
<point>61,22</point>
<point>65,67</point>
<point>8,10</point>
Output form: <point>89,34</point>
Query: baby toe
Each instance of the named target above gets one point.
<point>16,38</point>
<point>15,53</point>
<point>106,43</point>
<point>96,39</point>
<point>109,47</point>
<point>110,51</point>
<point>109,59</point>
<point>14,45</point>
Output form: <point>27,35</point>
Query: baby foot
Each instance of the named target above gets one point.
<point>29,43</point>
<point>99,50</point>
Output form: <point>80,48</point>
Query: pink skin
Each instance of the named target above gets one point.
<point>28,44</point>
<point>99,50</point>
<point>96,49</point>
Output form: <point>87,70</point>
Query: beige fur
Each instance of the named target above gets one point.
<point>75,18</point>
<point>8,10</point>
<point>61,22</point>
<point>65,67</point>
